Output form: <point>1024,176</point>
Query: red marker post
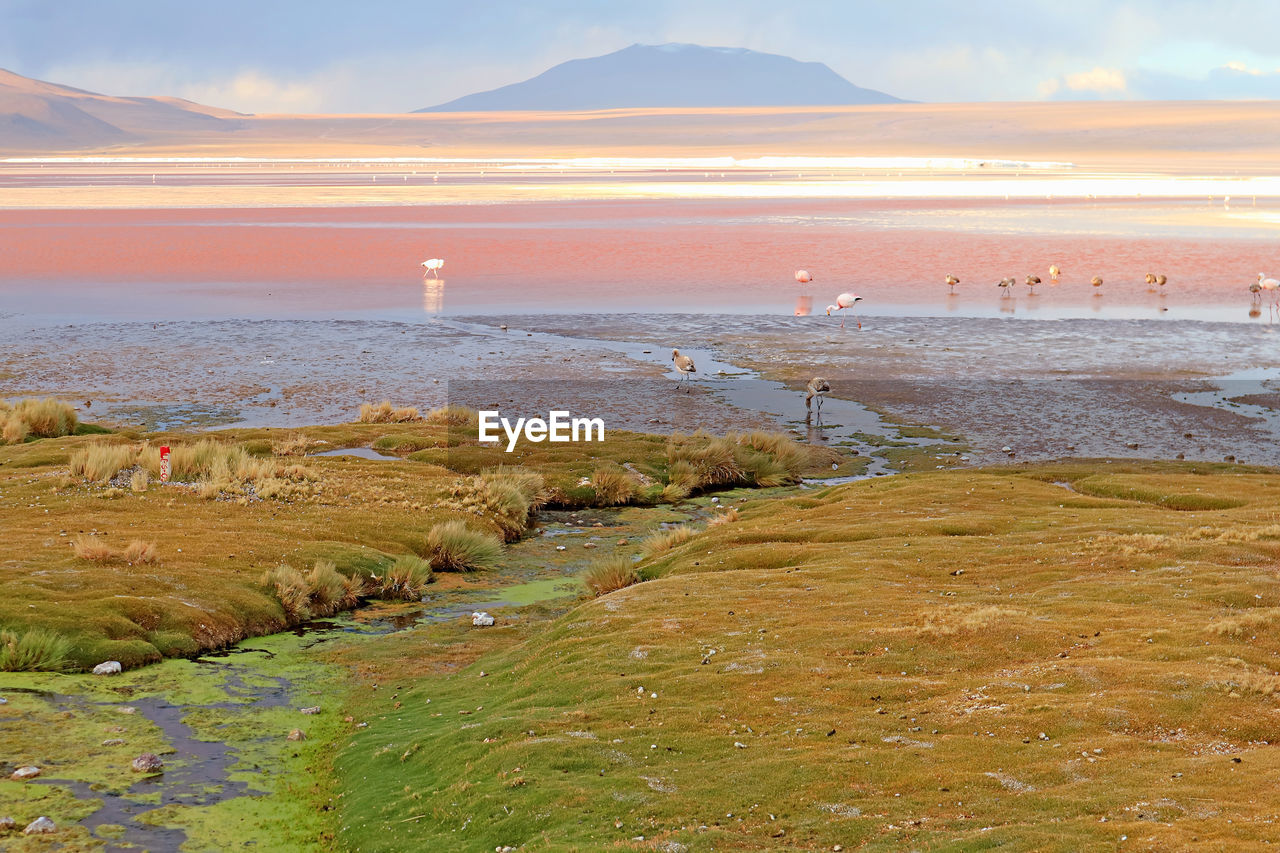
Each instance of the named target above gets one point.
<point>165,468</point>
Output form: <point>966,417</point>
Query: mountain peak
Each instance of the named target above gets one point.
<point>675,74</point>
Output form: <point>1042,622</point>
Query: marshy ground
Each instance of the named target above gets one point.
<point>1050,656</point>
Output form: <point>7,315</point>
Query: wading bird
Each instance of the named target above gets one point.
<point>1151,280</point>
<point>432,265</point>
<point>817,387</point>
<point>1004,284</point>
<point>844,300</point>
<point>1054,271</point>
<point>1268,284</point>
<point>1032,281</point>
<point>684,366</point>
<point>1255,287</point>
<point>1096,281</point>
<point>952,281</point>
<point>803,277</point>
<point>1161,281</point>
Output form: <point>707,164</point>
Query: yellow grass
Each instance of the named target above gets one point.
<point>385,413</point>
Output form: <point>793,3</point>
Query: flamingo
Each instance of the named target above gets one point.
<point>952,281</point>
<point>1255,287</point>
<point>1004,284</point>
<point>1032,281</point>
<point>1161,281</point>
<point>844,300</point>
<point>433,265</point>
<point>817,387</point>
<point>1151,279</point>
<point>803,277</point>
<point>1096,281</point>
<point>684,366</point>
<point>1054,272</point>
<point>1269,285</point>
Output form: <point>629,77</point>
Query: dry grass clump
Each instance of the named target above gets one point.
<point>452,546</point>
<point>1235,533</point>
<point>140,480</point>
<point>611,573</point>
<point>95,550</point>
<point>613,485</point>
<point>453,415</point>
<point>406,579</point>
<point>662,541</point>
<point>33,650</point>
<point>1245,621</point>
<point>724,517</point>
<point>701,461</point>
<point>1133,544</point>
<point>507,495</point>
<point>46,418</point>
<point>98,463</point>
<point>385,413</point>
<point>950,621</point>
<point>321,592</point>
<point>293,444</point>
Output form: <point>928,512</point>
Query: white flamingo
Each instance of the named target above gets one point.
<point>1269,285</point>
<point>803,277</point>
<point>845,300</point>
<point>684,366</point>
<point>432,265</point>
<point>1054,271</point>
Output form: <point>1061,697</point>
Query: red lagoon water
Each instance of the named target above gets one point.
<point>631,256</point>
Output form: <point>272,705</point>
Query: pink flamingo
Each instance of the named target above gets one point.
<point>803,277</point>
<point>845,300</point>
<point>432,265</point>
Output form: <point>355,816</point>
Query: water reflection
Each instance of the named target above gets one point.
<point>433,295</point>
<point>804,306</point>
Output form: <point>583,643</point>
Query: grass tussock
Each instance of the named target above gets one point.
<point>452,546</point>
<point>405,580</point>
<point>95,550</point>
<point>140,481</point>
<point>1246,621</point>
<point>700,462</point>
<point>385,413</point>
<point>613,485</point>
<point>33,650</point>
<point>321,592</point>
<point>44,418</point>
<point>507,495</point>
<point>610,574</point>
<point>453,416</point>
<point>293,444</point>
<point>951,621</point>
<point>663,541</point>
<point>98,463</point>
<point>724,517</point>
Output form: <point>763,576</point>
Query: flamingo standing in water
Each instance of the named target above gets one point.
<point>952,281</point>
<point>1161,281</point>
<point>1032,281</point>
<point>1269,285</point>
<point>817,387</point>
<point>1004,284</point>
<point>844,300</point>
<point>1096,281</point>
<point>1151,280</point>
<point>684,366</point>
<point>1255,287</point>
<point>1054,272</point>
<point>433,265</point>
<point>803,277</point>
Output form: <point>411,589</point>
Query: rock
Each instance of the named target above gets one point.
<point>739,744</point>
<point>110,667</point>
<point>622,542</point>
<point>314,709</point>
<point>1006,449</point>
<point>8,824</point>
<point>25,772</point>
<point>560,548</point>
<point>588,544</point>
<point>148,762</point>
<point>297,734</point>
<point>127,709</point>
<point>480,619</point>
<point>113,741</point>
<point>40,825</point>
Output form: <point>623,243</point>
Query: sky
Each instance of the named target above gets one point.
<point>266,56</point>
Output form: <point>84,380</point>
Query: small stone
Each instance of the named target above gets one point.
<point>297,734</point>
<point>480,619</point>
<point>314,709</point>
<point>1006,449</point>
<point>110,667</point>
<point>560,548</point>
<point>39,826</point>
<point>113,741</point>
<point>588,545</point>
<point>622,542</point>
<point>27,771</point>
<point>8,824</point>
<point>148,762</point>
<point>127,709</point>
<point>739,744</point>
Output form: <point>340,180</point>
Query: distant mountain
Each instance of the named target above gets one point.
<point>40,116</point>
<point>674,75</point>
